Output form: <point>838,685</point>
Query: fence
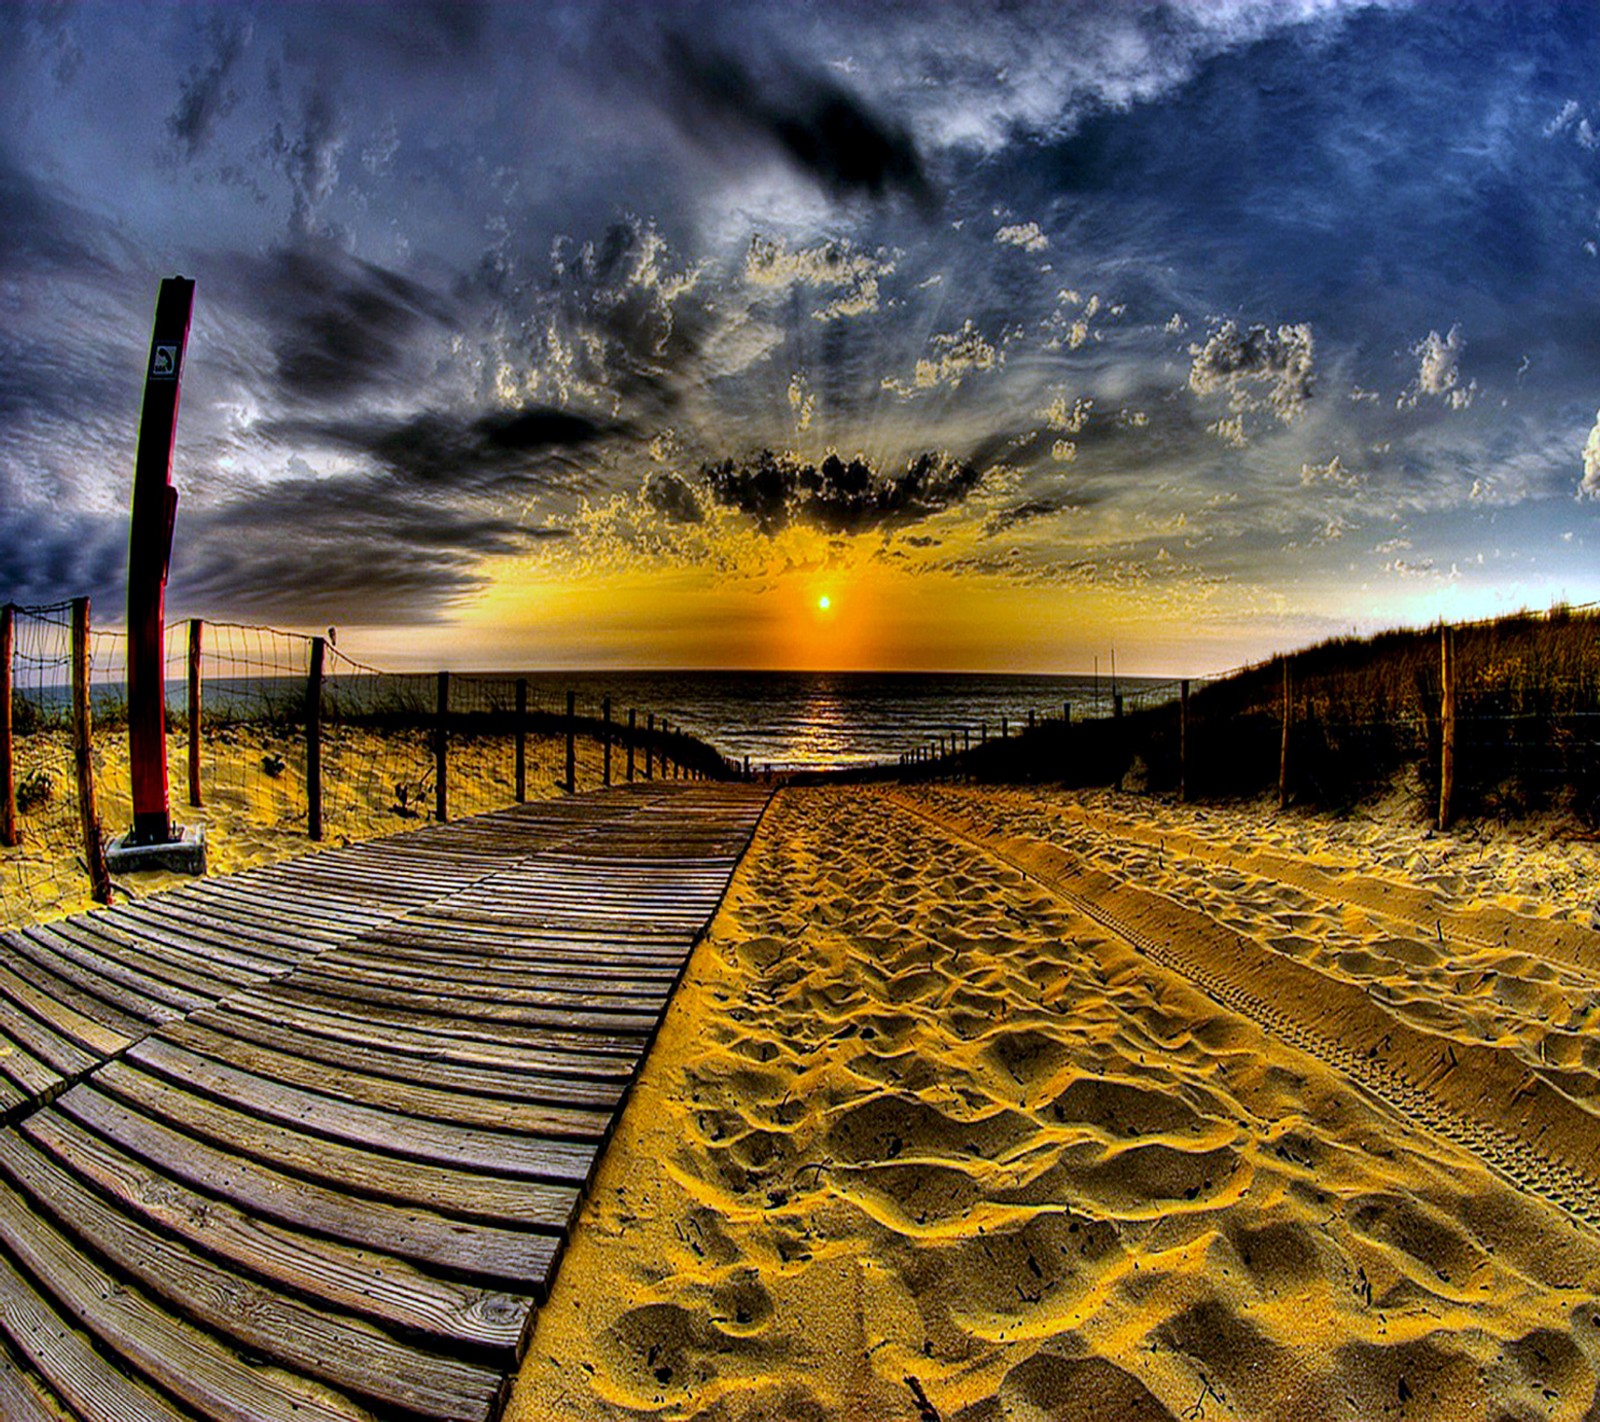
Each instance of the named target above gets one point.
<point>1483,718</point>
<point>276,739</point>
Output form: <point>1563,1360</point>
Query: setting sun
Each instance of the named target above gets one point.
<point>824,602</point>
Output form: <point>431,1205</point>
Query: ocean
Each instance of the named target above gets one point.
<point>836,720</point>
<point>785,720</point>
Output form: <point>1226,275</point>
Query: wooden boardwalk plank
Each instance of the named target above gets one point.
<point>413,1230</point>
<point>359,1279</point>
<point>347,1353</point>
<point>307,1142</point>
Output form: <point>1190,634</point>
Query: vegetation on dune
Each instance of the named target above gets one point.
<point>1363,713</point>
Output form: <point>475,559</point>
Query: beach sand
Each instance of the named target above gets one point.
<point>981,1105</point>
<point>254,794</point>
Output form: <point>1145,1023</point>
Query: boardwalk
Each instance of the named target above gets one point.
<point>306,1142</point>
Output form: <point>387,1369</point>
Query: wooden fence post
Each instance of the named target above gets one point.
<point>8,764</point>
<point>605,741</point>
<point>1283,750</point>
<point>1183,739</point>
<point>195,626</point>
<point>1030,718</point>
<point>632,727</point>
<point>1002,728</point>
<point>1447,723</point>
<point>314,739</point>
<point>572,750</point>
<point>650,746</point>
<point>441,753</point>
<point>94,851</point>
<point>522,740</point>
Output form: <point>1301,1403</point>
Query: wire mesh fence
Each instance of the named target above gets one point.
<point>41,859</point>
<point>275,740</point>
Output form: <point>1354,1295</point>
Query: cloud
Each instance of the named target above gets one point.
<point>338,324</point>
<point>204,97</point>
<point>1025,235</point>
<point>46,231</point>
<point>803,115</point>
<point>1276,362</point>
<point>505,449</point>
<point>1025,512</point>
<point>362,550</point>
<point>1590,487</point>
<point>1439,371</point>
<point>309,159</point>
<point>834,265</point>
<point>672,498</point>
<point>841,496</point>
<point>46,556</point>
<point>957,354</point>
<point>1333,473</point>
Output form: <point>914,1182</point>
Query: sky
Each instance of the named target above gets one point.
<point>619,335</point>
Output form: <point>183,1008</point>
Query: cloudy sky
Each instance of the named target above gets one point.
<point>605,334</point>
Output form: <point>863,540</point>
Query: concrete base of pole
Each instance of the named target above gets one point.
<point>184,855</point>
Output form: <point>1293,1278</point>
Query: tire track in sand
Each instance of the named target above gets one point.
<point>1485,927</point>
<point>1478,1097</point>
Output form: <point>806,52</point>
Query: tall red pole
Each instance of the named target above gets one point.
<point>155,504</point>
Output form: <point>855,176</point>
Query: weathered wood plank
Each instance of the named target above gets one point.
<point>414,1230</point>
<point>493,1199</point>
<point>22,1399</point>
<point>67,1359</point>
<point>446,1042</point>
<point>179,1358</point>
<point>433,1069</point>
<point>410,1100</point>
<point>57,1004</point>
<point>384,1287</point>
<point>236,1311</point>
<point>535,1030</point>
<point>531,1157</point>
<point>118,978</point>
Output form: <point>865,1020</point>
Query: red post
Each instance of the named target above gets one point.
<point>155,505</point>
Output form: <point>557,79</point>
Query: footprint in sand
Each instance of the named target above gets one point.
<point>886,1127</point>
<point>1051,1388</point>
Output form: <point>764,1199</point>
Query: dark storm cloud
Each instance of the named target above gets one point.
<point>339,325</point>
<point>43,230</point>
<point>673,499</point>
<point>502,449</point>
<point>362,550</point>
<point>814,123</point>
<point>48,557</point>
<point>841,496</point>
<point>205,96</point>
<point>308,156</point>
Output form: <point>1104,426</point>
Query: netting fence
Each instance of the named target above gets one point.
<point>277,740</point>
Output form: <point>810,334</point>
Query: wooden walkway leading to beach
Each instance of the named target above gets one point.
<point>306,1142</point>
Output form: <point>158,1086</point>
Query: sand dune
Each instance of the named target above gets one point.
<point>257,816</point>
<point>1015,1105</point>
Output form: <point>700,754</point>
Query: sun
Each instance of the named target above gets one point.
<point>824,602</point>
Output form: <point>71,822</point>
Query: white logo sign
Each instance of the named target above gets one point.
<point>164,363</point>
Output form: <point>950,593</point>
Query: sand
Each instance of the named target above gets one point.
<point>1021,1105</point>
<point>254,800</point>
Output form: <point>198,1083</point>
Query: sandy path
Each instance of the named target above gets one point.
<point>923,1137</point>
